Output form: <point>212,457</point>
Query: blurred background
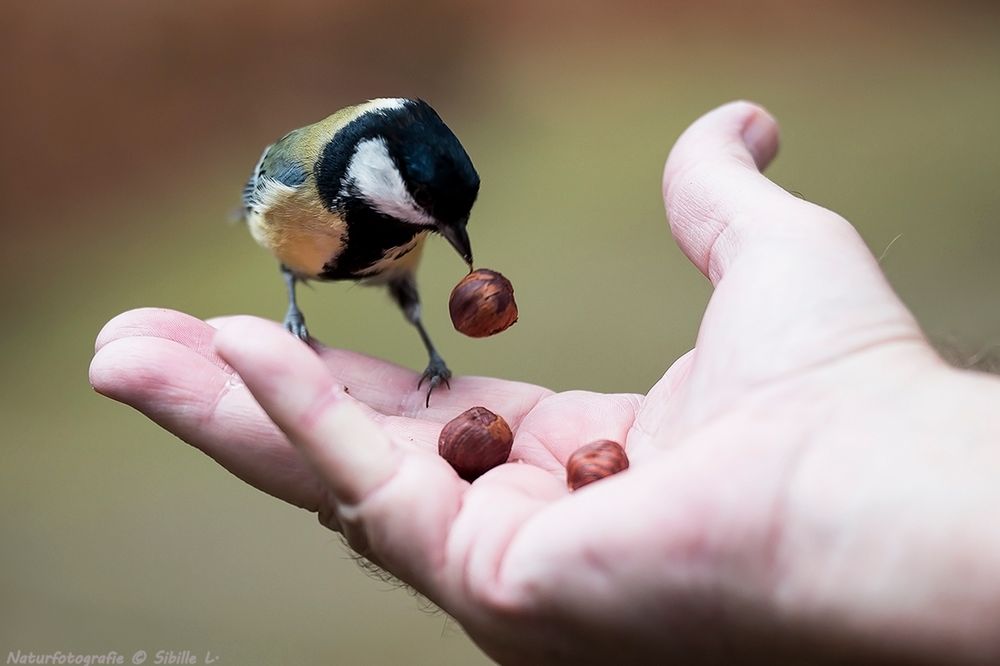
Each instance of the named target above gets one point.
<point>129,129</point>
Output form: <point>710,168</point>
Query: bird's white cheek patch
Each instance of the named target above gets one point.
<point>378,180</point>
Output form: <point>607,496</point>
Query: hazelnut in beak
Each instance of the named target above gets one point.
<point>482,304</point>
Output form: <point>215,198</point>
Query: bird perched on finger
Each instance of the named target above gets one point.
<point>354,197</point>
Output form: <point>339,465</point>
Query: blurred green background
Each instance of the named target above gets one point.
<point>129,129</point>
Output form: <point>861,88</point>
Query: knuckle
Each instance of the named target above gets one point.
<point>698,213</point>
<point>687,193</point>
<point>500,600</point>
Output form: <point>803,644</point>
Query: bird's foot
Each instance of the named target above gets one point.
<point>296,325</point>
<point>437,373</point>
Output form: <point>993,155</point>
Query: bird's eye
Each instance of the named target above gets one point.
<point>422,195</point>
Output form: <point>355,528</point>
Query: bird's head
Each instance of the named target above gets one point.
<point>406,164</point>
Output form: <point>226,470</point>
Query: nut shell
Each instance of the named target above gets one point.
<point>475,441</point>
<point>482,304</point>
<point>595,461</point>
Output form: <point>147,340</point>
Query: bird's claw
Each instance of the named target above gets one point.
<point>296,325</point>
<point>437,373</point>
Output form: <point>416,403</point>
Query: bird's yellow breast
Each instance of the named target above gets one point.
<point>307,238</point>
<point>300,232</point>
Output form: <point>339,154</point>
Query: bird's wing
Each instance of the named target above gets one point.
<point>279,172</point>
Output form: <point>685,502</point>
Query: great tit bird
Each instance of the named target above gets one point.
<point>354,197</point>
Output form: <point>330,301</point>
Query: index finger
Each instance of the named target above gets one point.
<point>380,487</point>
<point>306,402</point>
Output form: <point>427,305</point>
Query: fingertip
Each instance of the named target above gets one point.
<point>140,370</point>
<point>130,322</point>
<point>121,364</point>
<point>242,335</point>
<point>279,369</point>
<point>162,324</point>
<point>742,131</point>
<point>100,374</point>
<point>760,134</point>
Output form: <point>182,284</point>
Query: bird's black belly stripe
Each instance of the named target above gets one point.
<point>370,236</point>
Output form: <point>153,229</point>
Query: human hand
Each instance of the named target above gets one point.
<point>777,470</point>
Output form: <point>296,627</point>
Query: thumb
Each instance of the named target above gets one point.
<point>713,174</point>
<point>795,284</point>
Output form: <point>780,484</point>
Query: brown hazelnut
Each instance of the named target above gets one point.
<point>595,461</point>
<point>482,304</point>
<point>475,441</point>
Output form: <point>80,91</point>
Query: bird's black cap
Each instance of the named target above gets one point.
<point>433,163</point>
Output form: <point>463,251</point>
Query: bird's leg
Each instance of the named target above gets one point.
<point>294,321</point>
<point>404,292</point>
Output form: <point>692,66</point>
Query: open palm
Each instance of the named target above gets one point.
<point>533,572</point>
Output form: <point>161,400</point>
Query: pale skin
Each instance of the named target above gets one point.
<point>810,482</point>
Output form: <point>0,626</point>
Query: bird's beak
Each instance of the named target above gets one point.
<point>459,239</point>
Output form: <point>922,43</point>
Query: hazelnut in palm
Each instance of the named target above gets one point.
<point>482,304</point>
<point>475,441</point>
<point>594,462</point>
